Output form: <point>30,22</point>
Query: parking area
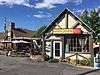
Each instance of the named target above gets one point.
<point>23,66</point>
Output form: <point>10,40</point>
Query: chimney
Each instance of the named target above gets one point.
<point>12,25</point>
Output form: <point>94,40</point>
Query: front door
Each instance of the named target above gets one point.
<point>57,49</point>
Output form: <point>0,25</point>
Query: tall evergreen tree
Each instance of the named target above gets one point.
<point>84,16</point>
<point>92,19</point>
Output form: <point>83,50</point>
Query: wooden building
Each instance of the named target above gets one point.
<point>12,33</point>
<point>67,35</point>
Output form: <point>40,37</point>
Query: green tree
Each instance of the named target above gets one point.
<point>39,32</point>
<point>92,19</point>
<point>84,16</point>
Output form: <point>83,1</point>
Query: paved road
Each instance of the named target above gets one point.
<point>23,66</point>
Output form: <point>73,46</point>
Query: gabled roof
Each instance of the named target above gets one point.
<point>62,13</point>
<point>18,32</point>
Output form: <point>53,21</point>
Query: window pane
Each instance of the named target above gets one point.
<point>57,45</point>
<point>57,49</point>
<point>57,52</point>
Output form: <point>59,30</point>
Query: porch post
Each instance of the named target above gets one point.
<point>52,49</point>
<point>91,48</point>
<point>43,44</point>
<point>63,47</point>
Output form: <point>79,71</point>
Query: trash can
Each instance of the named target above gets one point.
<point>97,61</point>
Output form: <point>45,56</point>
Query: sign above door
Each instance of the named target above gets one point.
<point>67,31</point>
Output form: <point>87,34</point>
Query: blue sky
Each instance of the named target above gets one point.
<point>32,14</point>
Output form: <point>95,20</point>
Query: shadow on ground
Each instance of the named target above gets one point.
<point>88,72</point>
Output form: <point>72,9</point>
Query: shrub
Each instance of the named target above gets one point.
<point>85,62</point>
<point>73,61</point>
<point>45,57</point>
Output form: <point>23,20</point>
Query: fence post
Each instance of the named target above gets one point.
<point>76,59</point>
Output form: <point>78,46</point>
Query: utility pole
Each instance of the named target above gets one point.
<point>5,21</point>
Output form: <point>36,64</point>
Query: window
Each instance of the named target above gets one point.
<point>74,45</point>
<point>78,44</point>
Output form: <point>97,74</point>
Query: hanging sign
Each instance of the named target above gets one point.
<point>67,31</point>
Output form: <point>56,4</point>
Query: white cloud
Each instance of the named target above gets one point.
<point>16,2</point>
<point>78,10</point>
<point>51,3</point>
<point>44,4</point>
<point>38,16</point>
<point>41,15</point>
<point>76,1</point>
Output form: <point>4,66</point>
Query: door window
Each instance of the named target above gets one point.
<point>57,49</point>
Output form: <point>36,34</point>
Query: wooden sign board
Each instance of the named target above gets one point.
<point>67,31</point>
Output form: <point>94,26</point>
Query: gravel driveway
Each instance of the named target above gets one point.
<point>23,66</point>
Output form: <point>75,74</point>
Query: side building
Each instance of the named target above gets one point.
<point>15,34</point>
